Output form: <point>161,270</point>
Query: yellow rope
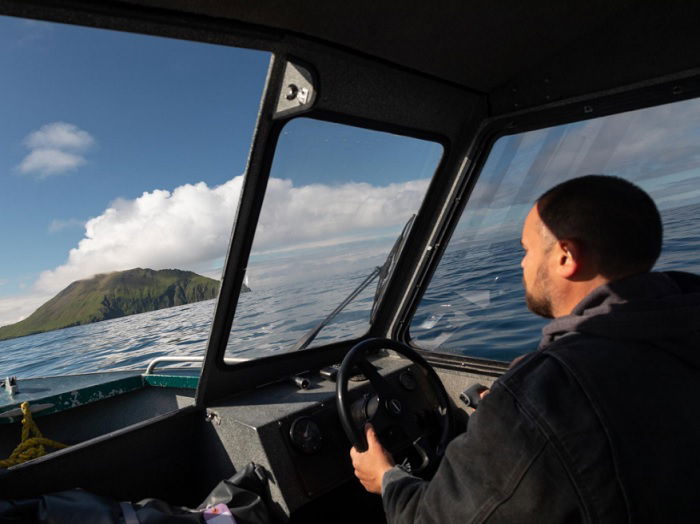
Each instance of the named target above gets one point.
<point>33,442</point>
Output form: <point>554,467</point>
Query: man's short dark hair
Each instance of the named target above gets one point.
<point>615,221</point>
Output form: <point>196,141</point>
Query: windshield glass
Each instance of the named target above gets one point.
<point>475,303</point>
<point>118,153</point>
<point>337,199</point>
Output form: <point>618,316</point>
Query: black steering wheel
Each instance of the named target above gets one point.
<point>399,421</point>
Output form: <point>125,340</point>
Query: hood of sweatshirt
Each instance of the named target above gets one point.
<point>657,308</point>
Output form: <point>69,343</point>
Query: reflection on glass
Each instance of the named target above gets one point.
<point>475,303</point>
<point>337,198</point>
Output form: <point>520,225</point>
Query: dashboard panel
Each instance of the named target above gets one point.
<point>295,432</point>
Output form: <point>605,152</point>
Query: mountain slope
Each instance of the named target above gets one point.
<point>114,295</point>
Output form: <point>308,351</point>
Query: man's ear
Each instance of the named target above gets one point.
<point>569,258</point>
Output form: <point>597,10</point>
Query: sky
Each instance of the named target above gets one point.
<point>120,151</point>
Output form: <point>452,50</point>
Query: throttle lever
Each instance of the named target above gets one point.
<point>473,395</point>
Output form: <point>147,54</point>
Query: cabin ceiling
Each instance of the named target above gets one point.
<point>520,54</point>
<point>477,44</point>
<point>484,45</point>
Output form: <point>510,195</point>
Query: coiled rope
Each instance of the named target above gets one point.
<point>33,442</point>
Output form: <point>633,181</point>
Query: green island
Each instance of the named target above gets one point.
<point>114,295</point>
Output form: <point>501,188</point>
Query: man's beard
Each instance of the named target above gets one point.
<point>541,305</point>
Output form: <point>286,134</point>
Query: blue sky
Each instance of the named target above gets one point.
<point>340,154</point>
<point>121,150</point>
<point>161,112</point>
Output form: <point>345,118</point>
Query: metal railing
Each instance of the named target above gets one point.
<point>160,360</point>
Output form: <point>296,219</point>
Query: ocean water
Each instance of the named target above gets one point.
<point>267,321</point>
<point>475,306</point>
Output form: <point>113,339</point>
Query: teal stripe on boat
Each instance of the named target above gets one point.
<point>68,392</point>
<point>171,381</point>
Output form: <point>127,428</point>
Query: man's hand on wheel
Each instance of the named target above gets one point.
<point>371,465</point>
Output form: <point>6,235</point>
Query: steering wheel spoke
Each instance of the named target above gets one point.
<point>410,426</point>
<point>383,389</point>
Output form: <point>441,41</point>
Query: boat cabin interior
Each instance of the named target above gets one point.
<point>501,101</point>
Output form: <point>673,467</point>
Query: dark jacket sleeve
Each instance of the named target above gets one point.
<point>503,469</point>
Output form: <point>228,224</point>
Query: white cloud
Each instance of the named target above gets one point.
<point>14,309</point>
<point>292,215</point>
<point>59,135</point>
<point>55,148</point>
<point>159,229</point>
<point>47,162</point>
<point>189,228</point>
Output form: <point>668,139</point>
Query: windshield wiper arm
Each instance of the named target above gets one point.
<point>383,271</point>
<point>304,341</point>
<point>389,264</point>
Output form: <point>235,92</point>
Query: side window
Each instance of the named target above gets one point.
<point>475,304</point>
<point>337,198</point>
<point>121,161</point>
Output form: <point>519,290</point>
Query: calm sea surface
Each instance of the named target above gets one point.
<point>475,306</point>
